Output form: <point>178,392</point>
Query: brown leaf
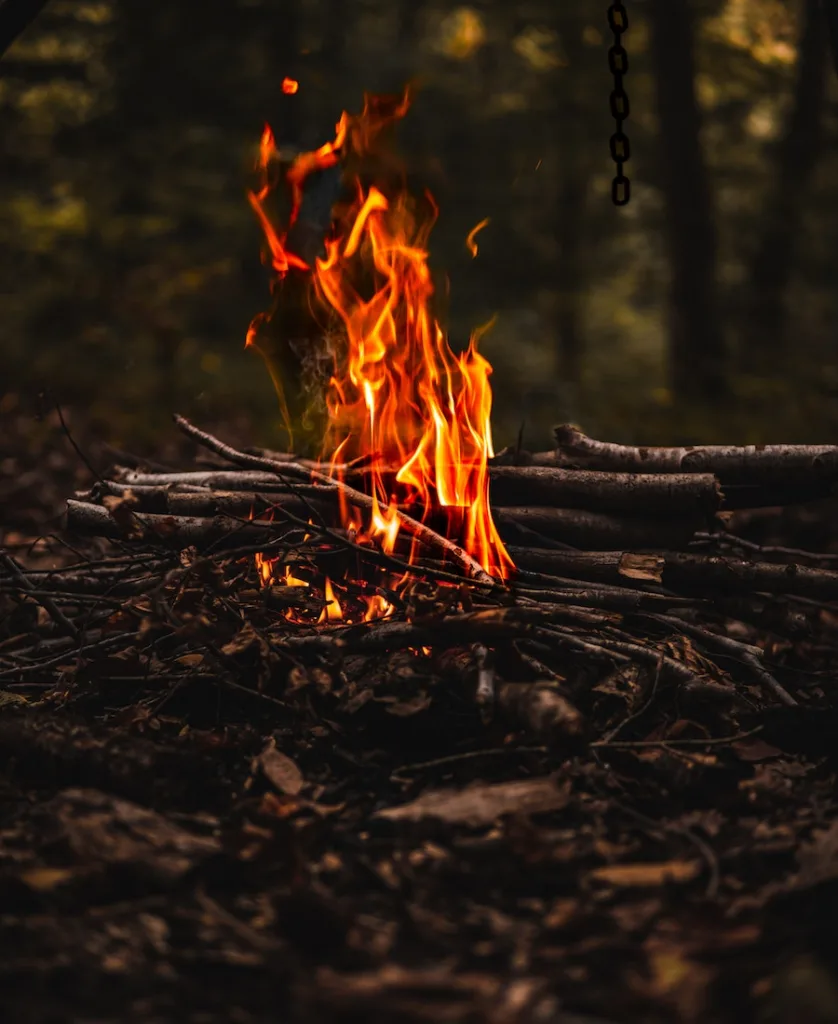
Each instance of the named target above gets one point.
<point>641,567</point>
<point>755,749</point>
<point>279,769</point>
<point>242,641</point>
<point>560,914</point>
<point>411,706</point>
<point>9,699</point>
<point>191,660</point>
<point>120,507</point>
<point>44,879</point>
<point>482,804</point>
<point>102,829</point>
<point>677,980</point>
<point>647,876</point>
<point>540,709</point>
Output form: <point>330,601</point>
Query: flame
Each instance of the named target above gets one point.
<point>378,607</point>
<point>292,581</point>
<point>471,244</point>
<point>332,612</point>
<point>290,86</point>
<point>264,567</point>
<point>399,395</point>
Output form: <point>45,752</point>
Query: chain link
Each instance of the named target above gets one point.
<point>618,65</point>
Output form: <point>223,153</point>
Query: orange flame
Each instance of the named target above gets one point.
<point>399,395</point>
<point>290,86</point>
<point>471,244</point>
<point>332,612</point>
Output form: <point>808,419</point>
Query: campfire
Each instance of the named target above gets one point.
<point>394,528</point>
<point>408,420</point>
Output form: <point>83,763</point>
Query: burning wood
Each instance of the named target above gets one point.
<point>398,396</point>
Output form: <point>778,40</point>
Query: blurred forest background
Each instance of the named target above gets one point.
<point>705,309</point>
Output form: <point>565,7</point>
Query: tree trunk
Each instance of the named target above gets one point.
<point>696,340</point>
<point>771,273</point>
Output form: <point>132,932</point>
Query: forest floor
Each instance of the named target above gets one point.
<point>376,851</point>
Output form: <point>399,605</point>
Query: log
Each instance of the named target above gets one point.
<point>681,572</point>
<point>306,500</point>
<point>742,464</point>
<point>604,492</point>
<point>596,531</point>
<point>188,510</point>
<point>176,532</point>
<point>596,490</point>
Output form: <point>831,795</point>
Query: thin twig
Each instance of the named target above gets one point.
<point>44,600</point>
<point>718,741</point>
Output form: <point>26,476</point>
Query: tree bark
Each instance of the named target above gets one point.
<point>797,154</point>
<point>696,340</point>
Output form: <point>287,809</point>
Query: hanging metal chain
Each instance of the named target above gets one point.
<point>618,65</point>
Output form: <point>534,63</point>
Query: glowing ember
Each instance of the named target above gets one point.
<point>399,396</point>
<point>290,86</point>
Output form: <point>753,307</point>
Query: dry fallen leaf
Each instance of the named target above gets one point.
<point>675,979</point>
<point>45,879</point>
<point>642,876</point>
<point>482,804</point>
<point>101,829</point>
<point>191,660</point>
<point>120,507</point>
<point>279,769</point>
<point>242,641</point>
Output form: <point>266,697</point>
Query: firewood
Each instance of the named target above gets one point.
<point>604,492</point>
<point>682,571</point>
<point>596,531</point>
<point>595,490</point>
<point>422,533</point>
<point>741,464</point>
<point>176,532</point>
<point>576,527</point>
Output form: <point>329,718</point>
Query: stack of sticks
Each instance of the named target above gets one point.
<point>593,528</point>
<point>622,565</point>
<point>584,496</point>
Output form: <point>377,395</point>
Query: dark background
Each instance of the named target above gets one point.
<point>703,310</point>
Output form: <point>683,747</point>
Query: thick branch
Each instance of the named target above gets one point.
<point>603,492</point>
<point>679,571</point>
<point>755,464</point>
<point>595,531</point>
